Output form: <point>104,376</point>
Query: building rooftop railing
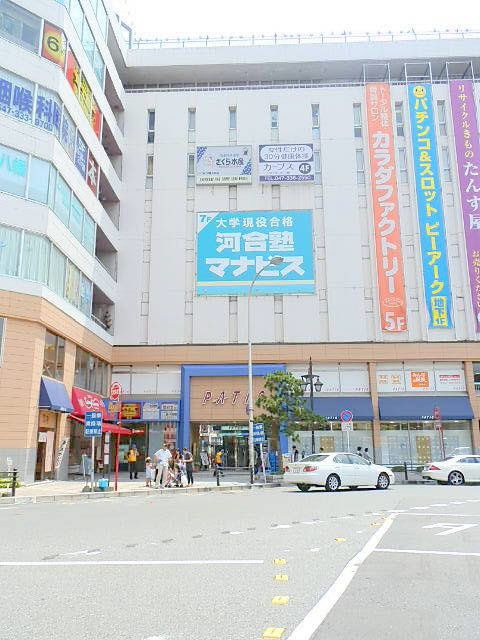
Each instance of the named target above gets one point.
<point>312,38</point>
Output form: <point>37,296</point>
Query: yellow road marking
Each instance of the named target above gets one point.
<point>273,633</point>
<point>375,524</point>
<point>340,539</point>
<point>281,577</point>
<point>281,600</point>
<point>280,561</point>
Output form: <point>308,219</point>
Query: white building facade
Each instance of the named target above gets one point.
<point>355,162</point>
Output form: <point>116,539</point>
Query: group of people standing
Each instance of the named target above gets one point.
<point>167,469</point>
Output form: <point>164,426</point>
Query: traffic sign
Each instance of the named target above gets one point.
<point>347,426</point>
<point>115,391</point>
<point>258,433</point>
<point>93,424</point>
<point>346,416</point>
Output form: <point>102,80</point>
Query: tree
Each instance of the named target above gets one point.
<point>284,405</point>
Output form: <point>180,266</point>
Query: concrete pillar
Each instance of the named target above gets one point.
<point>63,430</point>
<point>474,401</point>
<point>372,377</point>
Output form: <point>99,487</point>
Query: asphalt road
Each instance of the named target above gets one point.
<point>362,564</point>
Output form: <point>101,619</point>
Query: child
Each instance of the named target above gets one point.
<point>149,472</point>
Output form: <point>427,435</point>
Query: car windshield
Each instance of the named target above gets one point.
<point>315,458</point>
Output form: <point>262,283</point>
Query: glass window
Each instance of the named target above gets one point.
<point>20,26</point>
<point>56,277</point>
<point>88,41</point>
<point>81,362</point>
<point>232,115</point>
<point>399,119</point>
<point>99,66</point>
<point>102,18</point>
<point>52,187</point>
<point>68,133</point>
<point>315,115</point>
<point>318,167</point>
<point>314,458</point>
<point>3,326</point>
<point>274,117</point>
<point>35,257</point>
<point>53,356</point>
<point>191,164</point>
<point>88,239</point>
<point>16,96</point>
<point>62,200</point>
<point>150,165</point>
<point>76,14</point>
<point>357,120</point>
<point>10,241</point>
<point>85,295</point>
<point>13,171</point>
<point>360,166</point>
<point>38,180</point>
<point>191,119</point>
<point>442,117</point>
<point>72,284</point>
<point>447,169</point>
<point>402,162</point>
<point>48,111</point>
<point>357,459</point>
<point>151,126</point>
<point>342,458</point>
<point>76,218</point>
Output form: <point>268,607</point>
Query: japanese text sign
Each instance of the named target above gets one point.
<point>48,111</point>
<point>232,247</point>
<point>286,163</point>
<point>16,96</point>
<point>81,155</point>
<point>388,243</point>
<point>465,127</point>
<point>93,173</point>
<point>93,424</point>
<point>131,410</point>
<point>73,72</point>
<point>224,165</point>
<point>436,280</point>
<point>54,44</point>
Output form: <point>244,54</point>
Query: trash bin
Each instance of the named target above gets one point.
<point>103,484</point>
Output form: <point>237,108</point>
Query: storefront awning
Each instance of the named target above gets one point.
<point>106,427</point>
<point>88,401</point>
<point>330,407</point>
<point>422,407</point>
<point>54,396</point>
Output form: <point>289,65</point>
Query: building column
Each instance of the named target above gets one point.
<point>63,430</point>
<point>372,378</point>
<point>474,401</point>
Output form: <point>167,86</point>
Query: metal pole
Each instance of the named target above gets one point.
<point>251,452</point>
<point>14,482</point>
<point>116,461</point>
<point>310,377</point>
<point>348,441</point>
<point>92,468</point>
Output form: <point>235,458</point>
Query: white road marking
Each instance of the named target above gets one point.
<point>359,531</point>
<point>458,502</point>
<point>80,563</point>
<point>315,549</point>
<point>439,504</point>
<point>450,528</point>
<point>419,508</point>
<point>282,526</point>
<point>85,552</point>
<point>313,619</point>
<point>236,533</point>
<point>307,522</point>
<point>397,511</point>
<point>435,553</point>
<point>450,515</point>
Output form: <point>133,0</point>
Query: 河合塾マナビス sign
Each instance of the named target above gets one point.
<point>232,247</point>
<point>224,165</point>
<point>286,163</point>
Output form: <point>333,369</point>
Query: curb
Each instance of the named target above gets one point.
<point>81,497</point>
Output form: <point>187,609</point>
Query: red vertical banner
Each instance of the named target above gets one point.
<point>96,118</point>
<point>54,44</point>
<point>73,72</point>
<point>388,244</point>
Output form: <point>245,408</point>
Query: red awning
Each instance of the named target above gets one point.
<point>88,401</point>
<point>106,426</point>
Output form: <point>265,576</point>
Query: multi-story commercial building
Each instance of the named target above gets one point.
<point>144,184</point>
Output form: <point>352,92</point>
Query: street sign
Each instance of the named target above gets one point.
<point>258,433</point>
<point>93,424</point>
<point>115,391</point>
<point>347,426</point>
<point>346,416</point>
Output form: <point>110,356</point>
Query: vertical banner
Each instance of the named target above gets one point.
<point>388,243</point>
<point>436,280</point>
<point>73,72</point>
<point>465,127</point>
<point>96,118</point>
<point>54,44</point>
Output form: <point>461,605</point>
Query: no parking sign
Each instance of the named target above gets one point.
<point>346,418</point>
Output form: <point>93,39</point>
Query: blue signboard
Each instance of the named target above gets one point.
<point>233,246</point>
<point>93,424</point>
<point>258,433</point>
<point>81,153</point>
<point>431,221</point>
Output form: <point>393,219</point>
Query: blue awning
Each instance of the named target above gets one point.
<point>422,407</point>
<point>54,396</point>
<point>330,407</point>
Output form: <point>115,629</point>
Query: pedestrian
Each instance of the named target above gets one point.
<point>303,453</point>
<point>188,458</point>
<point>219,463</point>
<point>162,458</point>
<point>295,454</point>
<point>359,451</point>
<point>132,462</point>
<point>366,455</point>
<point>321,449</point>
<point>258,463</point>
<point>149,472</point>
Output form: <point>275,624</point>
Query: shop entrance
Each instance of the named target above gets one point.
<point>207,439</point>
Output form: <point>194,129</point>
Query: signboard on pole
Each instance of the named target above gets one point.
<point>115,391</point>
<point>286,163</point>
<point>93,424</point>
<point>346,418</point>
<point>224,165</point>
<point>258,433</point>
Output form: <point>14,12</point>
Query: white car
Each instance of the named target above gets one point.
<point>335,470</point>
<point>455,470</point>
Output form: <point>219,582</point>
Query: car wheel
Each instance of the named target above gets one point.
<point>383,481</point>
<point>456,478</point>
<point>332,483</point>
<point>304,487</point>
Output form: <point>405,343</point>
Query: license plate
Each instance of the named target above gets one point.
<point>296,470</point>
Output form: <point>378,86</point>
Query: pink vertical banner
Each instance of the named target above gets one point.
<point>467,145</point>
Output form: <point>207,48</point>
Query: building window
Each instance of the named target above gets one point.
<point>442,117</point>
<point>3,327</point>
<point>191,164</point>
<point>149,179</point>
<point>399,121</point>
<point>318,167</point>
<point>88,41</point>
<point>360,166</point>
<point>476,375</point>
<point>447,169</point>
<point>232,117</point>
<point>53,356</point>
<point>91,373</point>
<point>402,163</point>
<point>76,15</point>
<point>316,121</point>
<point>192,118</point>
<point>274,116</point>
<point>357,120</point>
<point>20,26</point>
<point>151,126</point>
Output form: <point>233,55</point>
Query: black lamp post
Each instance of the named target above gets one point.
<point>309,380</point>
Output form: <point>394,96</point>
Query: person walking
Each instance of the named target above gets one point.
<point>188,459</point>
<point>295,454</point>
<point>219,462</point>
<point>162,458</point>
<point>359,451</point>
<point>132,462</point>
<point>366,455</point>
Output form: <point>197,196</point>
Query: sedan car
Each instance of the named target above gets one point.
<point>455,470</point>
<point>335,470</point>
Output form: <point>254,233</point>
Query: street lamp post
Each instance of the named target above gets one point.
<point>275,261</point>
<point>309,380</point>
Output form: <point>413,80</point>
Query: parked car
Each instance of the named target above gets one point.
<point>335,470</point>
<point>454,470</point>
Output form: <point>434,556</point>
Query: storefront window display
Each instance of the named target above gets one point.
<point>332,438</point>
<point>418,443</point>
